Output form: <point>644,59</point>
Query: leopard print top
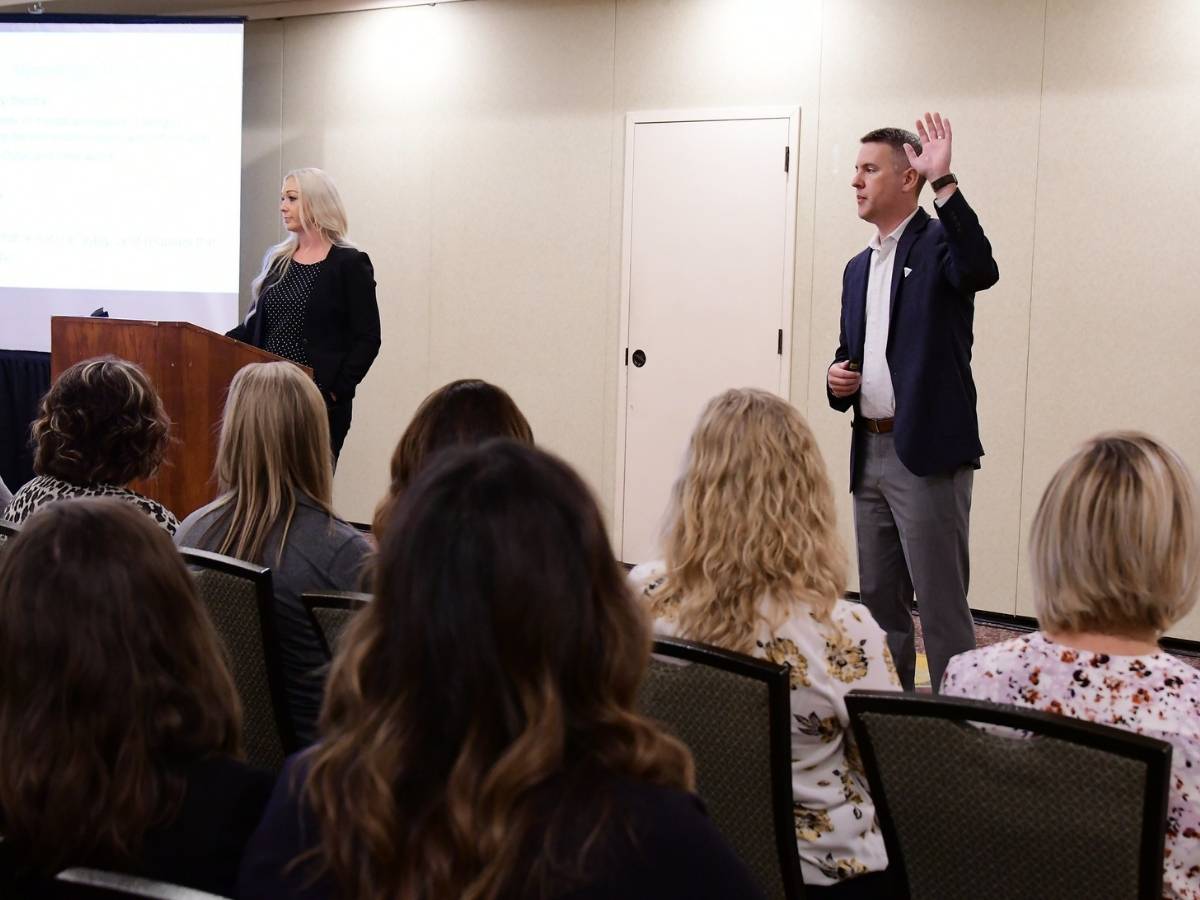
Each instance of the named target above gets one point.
<point>46,489</point>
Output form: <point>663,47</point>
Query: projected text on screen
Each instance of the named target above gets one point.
<point>121,151</point>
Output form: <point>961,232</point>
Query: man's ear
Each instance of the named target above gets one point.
<point>911,181</point>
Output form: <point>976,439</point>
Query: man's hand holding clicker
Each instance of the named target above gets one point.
<point>842,380</point>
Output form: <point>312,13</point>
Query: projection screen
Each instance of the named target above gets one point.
<point>120,171</point>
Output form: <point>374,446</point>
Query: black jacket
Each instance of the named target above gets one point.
<point>201,847</point>
<point>659,845</point>
<point>341,328</point>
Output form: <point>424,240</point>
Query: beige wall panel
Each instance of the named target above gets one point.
<point>709,54</point>
<point>885,64</point>
<point>262,131</point>
<point>1115,312</point>
<point>520,224</point>
<point>358,94</point>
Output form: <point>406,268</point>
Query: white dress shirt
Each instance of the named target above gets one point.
<point>877,399</point>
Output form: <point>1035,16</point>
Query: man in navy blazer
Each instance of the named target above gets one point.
<point>904,365</point>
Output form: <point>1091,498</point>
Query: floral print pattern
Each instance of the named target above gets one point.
<point>827,729</point>
<point>1155,695</point>
<point>811,824</point>
<point>847,659</point>
<point>836,832</point>
<point>786,653</point>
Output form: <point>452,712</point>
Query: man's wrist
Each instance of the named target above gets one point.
<point>944,188</point>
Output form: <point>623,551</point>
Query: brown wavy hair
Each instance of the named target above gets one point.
<point>101,422</point>
<point>112,679</point>
<point>478,704</point>
<point>751,517</point>
<point>461,413</point>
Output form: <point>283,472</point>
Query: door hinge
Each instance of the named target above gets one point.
<point>779,343</point>
<point>626,356</point>
<point>787,157</point>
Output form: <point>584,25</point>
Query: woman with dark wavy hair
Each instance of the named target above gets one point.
<point>459,414</point>
<point>478,736</point>
<point>101,426</point>
<point>119,724</point>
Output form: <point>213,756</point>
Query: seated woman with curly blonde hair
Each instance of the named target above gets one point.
<point>101,426</point>
<point>1115,556</point>
<point>753,564</point>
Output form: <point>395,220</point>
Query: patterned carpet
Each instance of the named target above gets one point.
<point>986,634</point>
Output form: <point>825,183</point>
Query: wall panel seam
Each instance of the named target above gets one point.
<point>1029,320</point>
<point>812,238</point>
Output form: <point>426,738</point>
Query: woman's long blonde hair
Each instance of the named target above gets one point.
<point>274,448</point>
<point>321,210</point>
<point>751,517</point>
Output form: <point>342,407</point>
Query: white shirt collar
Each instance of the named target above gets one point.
<point>894,237</point>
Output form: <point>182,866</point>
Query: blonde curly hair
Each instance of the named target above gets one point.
<point>751,517</point>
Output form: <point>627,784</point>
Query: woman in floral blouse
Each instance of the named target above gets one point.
<point>753,564</point>
<point>1115,564</point>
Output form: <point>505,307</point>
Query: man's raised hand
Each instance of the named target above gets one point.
<point>934,159</point>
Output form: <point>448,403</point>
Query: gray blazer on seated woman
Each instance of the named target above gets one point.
<point>5,496</point>
<point>276,482</point>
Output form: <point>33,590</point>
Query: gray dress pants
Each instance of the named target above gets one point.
<point>912,532</point>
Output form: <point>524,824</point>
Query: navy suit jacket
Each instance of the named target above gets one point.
<point>929,337</point>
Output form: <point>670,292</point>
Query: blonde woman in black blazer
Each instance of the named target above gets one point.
<point>314,298</point>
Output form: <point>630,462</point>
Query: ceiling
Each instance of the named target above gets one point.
<point>252,9</point>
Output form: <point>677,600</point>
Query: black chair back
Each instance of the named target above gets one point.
<point>331,612</point>
<point>1031,805</point>
<point>733,713</point>
<point>241,602</point>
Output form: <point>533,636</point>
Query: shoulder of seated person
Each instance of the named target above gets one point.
<point>644,574</point>
<point>220,767</point>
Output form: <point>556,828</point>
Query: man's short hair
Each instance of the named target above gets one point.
<point>896,138</point>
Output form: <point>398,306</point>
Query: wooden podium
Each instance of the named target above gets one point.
<point>191,367</point>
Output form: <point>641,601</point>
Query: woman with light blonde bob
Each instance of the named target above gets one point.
<point>753,563</point>
<point>1116,562</point>
<point>314,297</point>
<point>276,509</point>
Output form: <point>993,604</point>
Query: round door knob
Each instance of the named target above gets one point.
<point>639,358</point>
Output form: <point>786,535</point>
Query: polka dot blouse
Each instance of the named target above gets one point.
<point>286,306</point>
